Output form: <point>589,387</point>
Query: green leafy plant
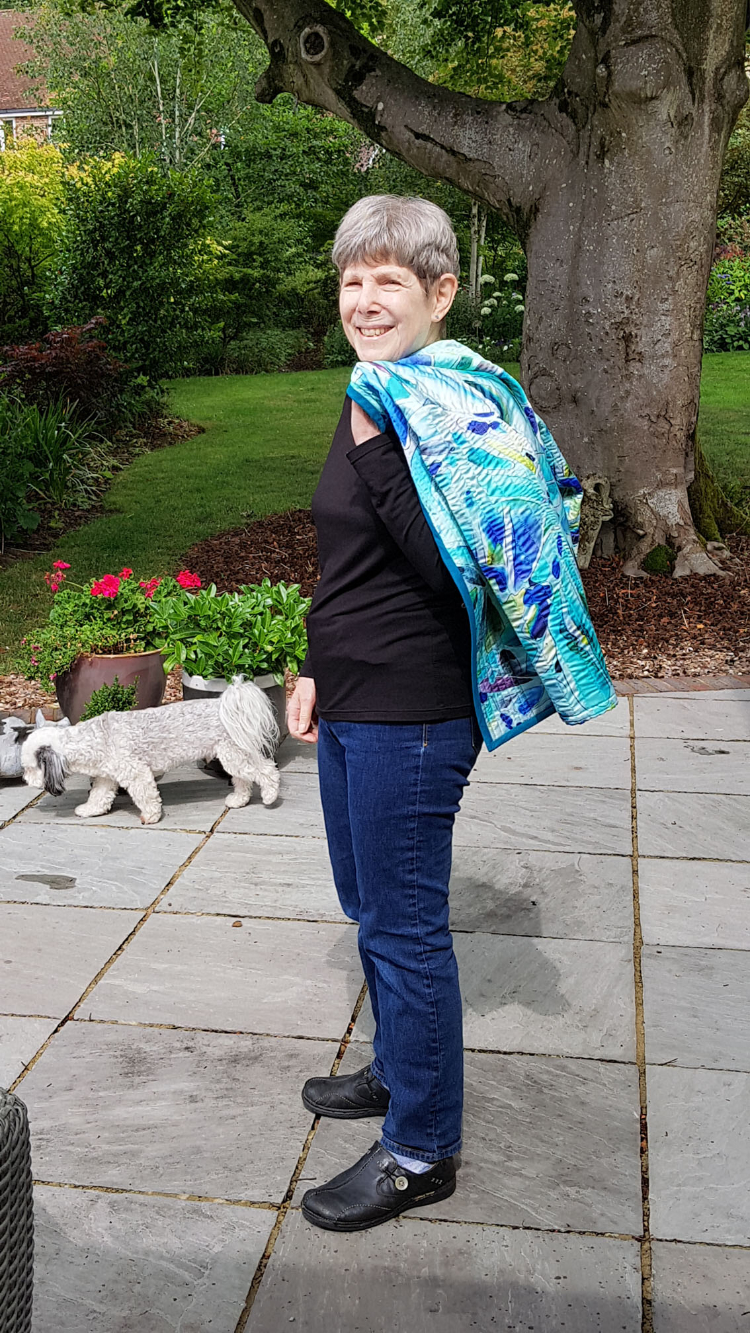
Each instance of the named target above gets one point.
<point>114,698</point>
<point>257,631</point>
<point>69,461</point>
<point>727,322</point>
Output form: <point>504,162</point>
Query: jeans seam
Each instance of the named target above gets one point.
<point>429,986</point>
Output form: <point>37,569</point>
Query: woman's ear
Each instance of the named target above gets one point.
<point>445,290</point>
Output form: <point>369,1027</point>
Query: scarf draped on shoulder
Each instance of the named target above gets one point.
<point>504,508</point>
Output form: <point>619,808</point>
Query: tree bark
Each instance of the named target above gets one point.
<point>611,185</point>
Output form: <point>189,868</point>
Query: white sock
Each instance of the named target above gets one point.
<point>411,1164</point>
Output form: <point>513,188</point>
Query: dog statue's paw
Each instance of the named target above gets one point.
<point>235,800</point>
<point>151,816</point>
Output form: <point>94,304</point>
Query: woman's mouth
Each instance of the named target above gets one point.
<point>376,332</point>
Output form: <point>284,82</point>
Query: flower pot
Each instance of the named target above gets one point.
<point>195,687</point>
<point>90,671</point>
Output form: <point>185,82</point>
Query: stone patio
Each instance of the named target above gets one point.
<point>165,991</point>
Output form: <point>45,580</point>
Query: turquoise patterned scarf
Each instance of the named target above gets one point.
<point>503,506</point>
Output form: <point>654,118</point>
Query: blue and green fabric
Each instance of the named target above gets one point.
<point>504,508</point>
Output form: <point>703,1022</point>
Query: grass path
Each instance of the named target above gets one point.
<point>266,438</point>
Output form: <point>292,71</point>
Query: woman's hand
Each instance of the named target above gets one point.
<point>363,427</point>
<point>301,718</point>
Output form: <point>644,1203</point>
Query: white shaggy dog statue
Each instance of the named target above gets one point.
<point>129,749</point>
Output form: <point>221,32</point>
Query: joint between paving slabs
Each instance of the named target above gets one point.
<point>119,950</point>
<point>158,1194</point>
<point>299,1168</point>
<point>640,1047</point>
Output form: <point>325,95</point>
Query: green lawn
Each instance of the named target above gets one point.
<point>266,437</point>
<point>724,424</point>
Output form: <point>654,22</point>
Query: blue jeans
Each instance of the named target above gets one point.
<point>390,795</point>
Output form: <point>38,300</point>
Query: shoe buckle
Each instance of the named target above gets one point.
<point>401,1183</point>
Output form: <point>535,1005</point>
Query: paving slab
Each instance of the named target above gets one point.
<point>572,760</point>
<point>20,1039</point>
<point>700,1288</point>
<point>14,796</point>
<point>545,997</point>
<point>551,819</point>
<point>696,717</point>
<point>258,875</point>
<point>417,1277</point>
<point>115,1263</point>
<point>213,1114</point>
<point>92,867</point>
<point>297,812</point>
<point>192,800</point>
<point>548,1143</point>
<point>294,978</point>
<point>701,903</point>
<point>48,955</point>
<point>696,1003</point>
<point>698,826</point>
<point>614,723</point>
<point>710,766</point>
<point>297,756</point>
<point>699,1155</point>
<point>564,894</point>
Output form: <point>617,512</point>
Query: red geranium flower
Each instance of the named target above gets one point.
<point>188,580</point>
<point>109,586</point>
<point>60,564</point>
<point>125,573</point>
<point>149,588</point>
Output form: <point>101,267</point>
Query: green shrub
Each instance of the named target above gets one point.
<point>727,322</point>
<point>135,249</point>
<point>264,350</point>
<point>17,514</point>
<point>114,698</point>
<point>31,183</point>
<point>337,350</point>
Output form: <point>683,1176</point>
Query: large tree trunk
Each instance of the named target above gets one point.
<point>619,251</point>
<point>611,184</point>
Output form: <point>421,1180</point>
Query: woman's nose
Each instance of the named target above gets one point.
<point>369,297</point>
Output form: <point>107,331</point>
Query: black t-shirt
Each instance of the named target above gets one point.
<point>389,636</point>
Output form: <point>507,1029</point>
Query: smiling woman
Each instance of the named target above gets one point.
<point>398,261</point>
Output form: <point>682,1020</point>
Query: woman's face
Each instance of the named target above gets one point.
<point>386,312</point>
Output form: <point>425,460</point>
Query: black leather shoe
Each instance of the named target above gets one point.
<point>375,1190</point>
<point>350,1097</point>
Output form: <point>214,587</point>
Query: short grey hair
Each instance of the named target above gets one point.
<point>406,230</point>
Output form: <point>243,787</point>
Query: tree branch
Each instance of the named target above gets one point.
<point>499,152</point>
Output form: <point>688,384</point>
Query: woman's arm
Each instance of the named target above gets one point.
<point>380,463</point>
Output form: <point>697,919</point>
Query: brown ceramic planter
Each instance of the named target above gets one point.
<point>88,673</point>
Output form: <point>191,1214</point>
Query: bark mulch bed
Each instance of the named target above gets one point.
<point>158,433</point>
<point>649,629</point>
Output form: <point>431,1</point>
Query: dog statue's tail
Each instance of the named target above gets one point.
<point>247,714</point>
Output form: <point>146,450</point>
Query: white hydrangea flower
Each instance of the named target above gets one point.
<point>519,309</point>
<point>487,277</point>
<point>486,310</point>
<point>511,277</point>
<point>497,293</point>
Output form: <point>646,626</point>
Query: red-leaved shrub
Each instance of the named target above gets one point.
<point>72,364</point>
